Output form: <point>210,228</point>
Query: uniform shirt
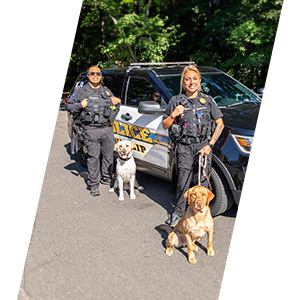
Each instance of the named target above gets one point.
<point>200,105</point>
<point>74,103</point>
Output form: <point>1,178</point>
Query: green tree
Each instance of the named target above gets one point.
<point>140,39</point>
<point>239,37</point>
<point>236,36</point>
<point>95,20</point>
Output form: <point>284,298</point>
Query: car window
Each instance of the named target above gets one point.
<point>172,83</point>
<point>225,90</point>
<point>140,89</point>
<point>115,84</point>
<point>81,81</point>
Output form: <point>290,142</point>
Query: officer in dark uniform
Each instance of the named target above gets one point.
<point>98,108</point>
<point>189,118</point>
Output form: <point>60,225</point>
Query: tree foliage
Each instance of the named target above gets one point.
<point>140,39</point>
<point>242,38</point>
<point>236,36</point>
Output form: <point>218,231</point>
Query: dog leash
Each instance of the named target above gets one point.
<point>202,164</point>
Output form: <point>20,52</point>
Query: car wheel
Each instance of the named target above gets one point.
<point>81,150</point>
<point>223,199</point>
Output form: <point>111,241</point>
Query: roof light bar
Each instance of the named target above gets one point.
<point>163,63</point>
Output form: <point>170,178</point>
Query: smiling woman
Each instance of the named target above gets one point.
<point>189,116</point>
<point>190,81</point>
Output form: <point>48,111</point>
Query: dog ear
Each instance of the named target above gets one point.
<point>132,145</point>
<point>187,196</point>
<point>116,146</point>
<point>210,196</point>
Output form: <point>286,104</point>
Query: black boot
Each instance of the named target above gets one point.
<point>173,219</point>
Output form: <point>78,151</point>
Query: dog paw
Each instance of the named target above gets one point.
<point>195,247</point>
<point>121,198</point>
<point>132,197</point>
<point>140,188</point>
<point>111,190</point>
<point>169,251</point>
<point>192,260</point>
<point>210,252</point>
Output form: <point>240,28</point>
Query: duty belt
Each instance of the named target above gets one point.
<point>97,126</point>
<point>187,140</point>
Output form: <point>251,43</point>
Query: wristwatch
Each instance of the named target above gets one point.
<point>210,145</point>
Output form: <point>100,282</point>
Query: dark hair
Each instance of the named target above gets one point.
<point>88,70</point>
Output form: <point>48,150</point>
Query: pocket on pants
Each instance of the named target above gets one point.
<point>184,156</point>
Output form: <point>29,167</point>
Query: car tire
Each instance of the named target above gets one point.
<point>80,151</point>
<point>223,199</point>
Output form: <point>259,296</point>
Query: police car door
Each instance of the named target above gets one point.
<point>145,130</point>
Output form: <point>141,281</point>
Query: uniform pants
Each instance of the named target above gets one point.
<point>99,140</point>
<point>187,161</point>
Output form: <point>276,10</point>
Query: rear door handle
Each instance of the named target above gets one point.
<point>126,116</point>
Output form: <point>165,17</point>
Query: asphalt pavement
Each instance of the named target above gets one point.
<point>85,247</point>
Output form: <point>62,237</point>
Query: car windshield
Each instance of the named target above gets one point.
<point>225,90</point>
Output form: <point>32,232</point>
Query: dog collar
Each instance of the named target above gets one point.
<point>125,158</point>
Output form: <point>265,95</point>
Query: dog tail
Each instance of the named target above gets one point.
<point>166,228</point>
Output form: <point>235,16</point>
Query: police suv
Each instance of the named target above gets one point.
<point>145,90</point>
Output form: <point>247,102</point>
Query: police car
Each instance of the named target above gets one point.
<point>145,90</point>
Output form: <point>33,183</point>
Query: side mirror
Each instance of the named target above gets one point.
<point>261,92</point>
<point>150,107</point>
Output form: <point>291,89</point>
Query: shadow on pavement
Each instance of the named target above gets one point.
<point>153,186</point>
<point>75,167</point>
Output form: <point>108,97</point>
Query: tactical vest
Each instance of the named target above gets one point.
<point>196,120</point>
<point>100,109</point>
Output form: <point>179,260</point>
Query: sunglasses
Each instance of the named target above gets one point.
<point>95,73</point>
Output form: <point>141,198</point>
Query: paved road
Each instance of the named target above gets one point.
<point>85,247</point>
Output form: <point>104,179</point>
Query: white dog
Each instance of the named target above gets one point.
<point>125,169</point>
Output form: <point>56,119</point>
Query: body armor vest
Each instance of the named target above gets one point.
<point>196,120</point>
<point>100,109</point>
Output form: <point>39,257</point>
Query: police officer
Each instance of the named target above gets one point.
<point>189,117</point>
<point>98,108</point>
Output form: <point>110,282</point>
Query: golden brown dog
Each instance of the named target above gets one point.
<point>193,225</point>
